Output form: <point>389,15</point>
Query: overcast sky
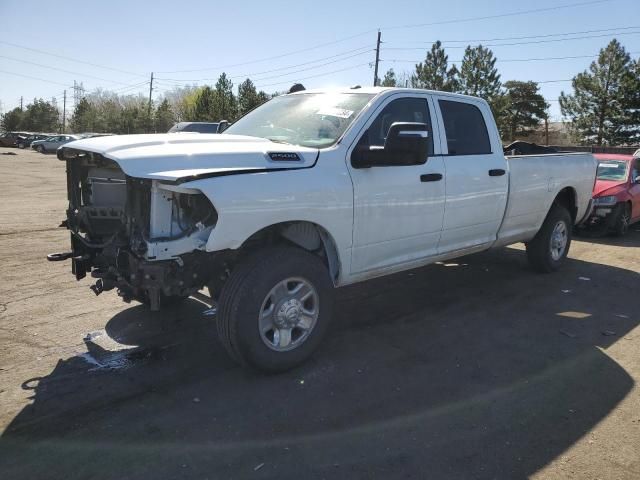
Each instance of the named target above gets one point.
<point>277,43</point>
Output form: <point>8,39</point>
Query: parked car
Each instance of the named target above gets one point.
<point>52,143</point>
<point>9,139</point>
<point>25,141</point>
<point>199,127</point>
<point>310,191</point>
<point>616,193</point>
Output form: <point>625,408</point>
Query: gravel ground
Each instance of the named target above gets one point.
<point>477,368</point>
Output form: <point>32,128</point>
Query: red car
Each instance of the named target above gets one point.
<point>616,193</point>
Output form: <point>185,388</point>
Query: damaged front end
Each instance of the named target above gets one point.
<point>146,238</point>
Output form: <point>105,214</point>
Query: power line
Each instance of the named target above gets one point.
<point>360,51</point>
<point>314,76</point>
<point>34,78</point>
<point>70,59</point>
<point>501,15</point>
<point>272,57</point>
<point>524,43</point>
<point>61,70</point>
<point>538,36</point>
<point>500,60</point>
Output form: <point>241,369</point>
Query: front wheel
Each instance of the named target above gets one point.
<point>623,220</point>
<point>40,148</point>
<point>549,248</point>
<point>275,308</point>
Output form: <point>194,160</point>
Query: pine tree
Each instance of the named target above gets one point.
<point>389,79</point>
<point>12,120</point>
<point>204,105</point>
<point>83,116</point>
<point>478,74</point>
<point>248,98</point>
<point>434,73</point>
<point>164,116</point>
<point>226,106</point>
<point>601,107</point>
<point>41,116</point>
<point>524,108</point>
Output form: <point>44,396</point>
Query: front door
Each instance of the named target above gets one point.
<point>398,209</point>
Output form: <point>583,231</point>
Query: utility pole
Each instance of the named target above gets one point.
<point>21,104</point>
<point>546,130</point>
<point>150,90</point>
<point>64,111</point>
<point>375,71</point>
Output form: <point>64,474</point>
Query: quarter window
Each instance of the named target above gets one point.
<point>465,128</point>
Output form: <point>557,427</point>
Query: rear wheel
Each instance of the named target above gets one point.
<point>548,249</point>
<point>40,148</point>
<point>275,308</point>
<point>623,220</point>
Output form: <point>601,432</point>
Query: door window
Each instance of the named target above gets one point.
<point>465,128</point>
<point>408,109</point>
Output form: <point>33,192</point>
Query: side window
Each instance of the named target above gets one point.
<point>401,110</point>
<point>636,170</point>
<point>465,128</point>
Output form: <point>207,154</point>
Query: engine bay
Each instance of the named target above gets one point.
<point>144,237</point>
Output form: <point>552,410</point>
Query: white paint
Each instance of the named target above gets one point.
<point>381,219</point>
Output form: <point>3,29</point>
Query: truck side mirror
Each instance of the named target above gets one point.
<point>222,126</point>
<point>407,143</point>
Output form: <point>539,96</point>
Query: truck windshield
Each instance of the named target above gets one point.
<point>612,170</point>
<point>309,119</point>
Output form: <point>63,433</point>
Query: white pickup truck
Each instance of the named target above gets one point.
<point>310,191</point>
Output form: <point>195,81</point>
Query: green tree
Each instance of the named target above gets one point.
<point>12,120</point>
<point>389,79</point>
<point>41,116</point>
<point>601,107</point>
<point>84,116</point>
<point>478,73</point>
<point>434,73</point>
<point>164,116</point>
<point>204,105</point>
<point>524,108</point>
<point>248,98</point>
<point>226,106</point>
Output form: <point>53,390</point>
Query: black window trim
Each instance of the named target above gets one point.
<point>374,116</point>
<point>444,128</point>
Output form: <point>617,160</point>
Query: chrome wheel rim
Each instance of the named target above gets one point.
<point>624,220</point>
<point>288,314</point>
<point>559,238</point>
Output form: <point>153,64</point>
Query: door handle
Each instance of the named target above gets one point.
<point>497,172</point>
<point>431,177</point>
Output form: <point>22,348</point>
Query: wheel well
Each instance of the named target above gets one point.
<point>307,235</point>
<point>567,198</point>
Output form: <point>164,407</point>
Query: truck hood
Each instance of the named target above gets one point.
<point>608,187</point>
<point>187,156</point>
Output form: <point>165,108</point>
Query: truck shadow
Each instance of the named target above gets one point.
<point>472,368</point>
<point>631,239</point>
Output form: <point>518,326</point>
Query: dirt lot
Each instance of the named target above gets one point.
<point>477,368</point>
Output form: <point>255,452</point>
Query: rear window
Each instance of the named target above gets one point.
<point>465,128</point>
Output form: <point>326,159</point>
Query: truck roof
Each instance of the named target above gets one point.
<point>380,90</point>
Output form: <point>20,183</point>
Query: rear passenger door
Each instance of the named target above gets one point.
<point>476,176</point>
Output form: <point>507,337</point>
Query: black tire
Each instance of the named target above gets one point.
<point>242,299</point>
<point>40,149</point>
<point>623,219</point>
<point>540,251</point>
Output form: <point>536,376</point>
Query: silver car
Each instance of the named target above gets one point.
<point>51,144</point>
